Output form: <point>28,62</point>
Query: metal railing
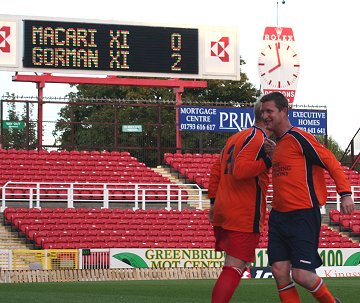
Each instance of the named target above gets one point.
<point>140,194</point>
<point>105,195</point>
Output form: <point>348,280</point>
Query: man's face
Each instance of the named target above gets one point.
<point>272,117</point>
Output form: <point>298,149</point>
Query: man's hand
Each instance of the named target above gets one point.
<point>269,147</point>
<point>347,205</point>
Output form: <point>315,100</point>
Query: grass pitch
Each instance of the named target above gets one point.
<point>161,291</point>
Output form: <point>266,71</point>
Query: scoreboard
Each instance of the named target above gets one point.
<point>81,46</point>
<point>92,46</point>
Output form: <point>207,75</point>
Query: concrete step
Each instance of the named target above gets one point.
<point>166,172</point>
<point>10,239</point>
<point>15,246</point>
<point>173,176</point>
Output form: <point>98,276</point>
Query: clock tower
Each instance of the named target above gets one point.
<point>279,64</point>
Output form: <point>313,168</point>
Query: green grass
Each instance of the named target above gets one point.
<point>161,291</point>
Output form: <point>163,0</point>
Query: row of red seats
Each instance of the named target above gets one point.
<point>126,244</point>
<point>53,157</point>
<point>43,166</point>
<point>51,228</point>
<point>125,211</point>
<point>187,157</point>
<point>348,223</point>
<point>332,238</point>
<point>89,179</point>
<point>352,175</point>
<point>46,164</point>
<point>62,152</point>
<point>197,168</point>
<point>192,229</point>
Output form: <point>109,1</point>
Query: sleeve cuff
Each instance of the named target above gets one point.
<point>345,194</point>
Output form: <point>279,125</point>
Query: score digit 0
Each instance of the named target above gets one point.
<point>176,48</point>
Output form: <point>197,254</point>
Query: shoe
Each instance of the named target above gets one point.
<point>337,300</point>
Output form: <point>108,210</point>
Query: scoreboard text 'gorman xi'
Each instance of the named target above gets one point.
<point>74,46</point>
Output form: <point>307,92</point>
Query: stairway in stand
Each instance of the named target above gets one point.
<point>10,239</point>
<point>173,177</point>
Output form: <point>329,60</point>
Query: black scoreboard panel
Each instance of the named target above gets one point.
<point>110,47</point>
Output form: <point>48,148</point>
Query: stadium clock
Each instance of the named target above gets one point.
<point>278,63</point>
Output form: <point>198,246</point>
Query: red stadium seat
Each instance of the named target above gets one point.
<point>104,228</point>
<point>334,216</point>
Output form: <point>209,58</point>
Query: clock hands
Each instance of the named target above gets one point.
<point>278,65</point>
<point>277,46</point>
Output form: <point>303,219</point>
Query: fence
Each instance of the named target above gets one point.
<point>351,156</point>
<point>74,275</point>
<point>145,128</point>
<point>6,259</point>
<point>102,194</point>
<point>24,259</point>
<point>156,258</point>
<point>108,195</point>
<point>105,128</point>
<point>51,259</point>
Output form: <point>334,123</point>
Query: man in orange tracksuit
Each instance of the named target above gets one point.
<point>237,190</point>
<point>299,189</point>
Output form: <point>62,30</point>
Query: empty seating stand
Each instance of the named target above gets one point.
<point>194,167</point>
<point>103,228</point>
<point>60,228</point>
<point>74,166</point>
<point>56,167</point>
<point>346,223</point>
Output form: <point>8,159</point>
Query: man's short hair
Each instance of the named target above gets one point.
<point>280,100</point>
<point>257,111</point>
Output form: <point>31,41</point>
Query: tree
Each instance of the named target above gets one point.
<point>225,91</point>
<point>91,126</point>
<point>18,138</point>
<point>332,145</point>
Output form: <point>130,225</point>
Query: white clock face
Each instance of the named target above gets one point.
<point>279,65</point>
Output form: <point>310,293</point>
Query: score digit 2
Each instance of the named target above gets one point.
<point>176,48</point>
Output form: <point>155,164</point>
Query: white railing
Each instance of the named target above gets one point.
<point>140,194</point>
<point>6,259</point>
<point>94,258</point>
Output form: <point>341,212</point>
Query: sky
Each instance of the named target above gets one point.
<point>326,34</point>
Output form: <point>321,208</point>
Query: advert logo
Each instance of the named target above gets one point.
<point>261,273</point>
<point>218,49</point>
<point>4,34</point>
<point>131,259</point>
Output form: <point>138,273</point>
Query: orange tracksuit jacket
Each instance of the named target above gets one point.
<point>298,167</point>
<point>239,181</point>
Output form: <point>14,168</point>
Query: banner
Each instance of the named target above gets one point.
<point>208,258</point>
<point>165,258</point>
<point>338,272</point>
<point>323,271</point>
<point>234,119</point>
